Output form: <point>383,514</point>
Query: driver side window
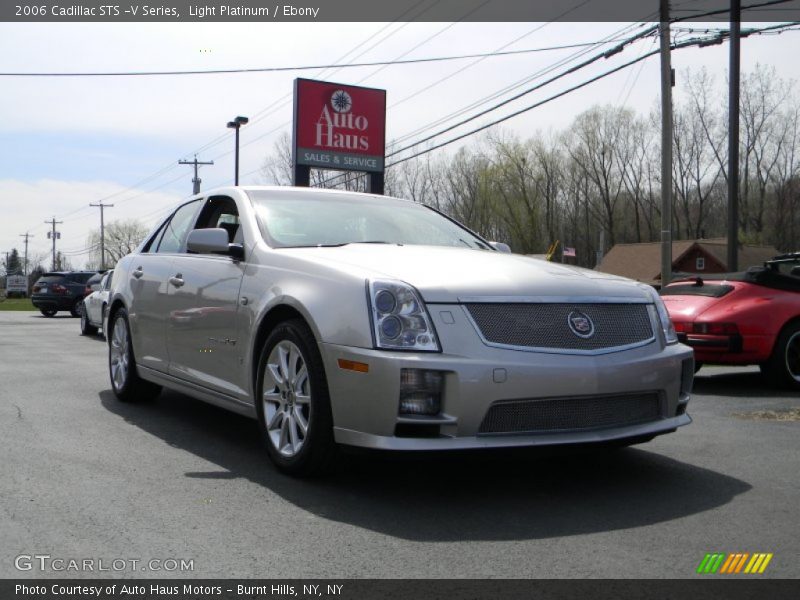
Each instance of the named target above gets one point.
<point>221,212</point>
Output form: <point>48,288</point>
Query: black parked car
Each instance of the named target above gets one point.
<point>57,291</point>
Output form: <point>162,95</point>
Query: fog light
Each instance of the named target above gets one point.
<point>420,392</point>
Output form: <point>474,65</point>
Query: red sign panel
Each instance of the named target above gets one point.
<point>339,126</point>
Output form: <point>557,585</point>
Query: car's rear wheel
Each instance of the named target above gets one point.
<point>48,312</point>
<point>292,402</point>
<point>77,308</point>
<point>125,380</point>
<point>783,367</point>
<point>86,327</point>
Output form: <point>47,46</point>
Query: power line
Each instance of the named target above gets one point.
<point>383,64</point>
<point>538,86</point>
<point>516,85</point>
<point>614,37</point>
<point>723,10</point>
<point>678,46</point>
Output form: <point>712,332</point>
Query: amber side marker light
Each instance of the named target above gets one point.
<point>351,365</point>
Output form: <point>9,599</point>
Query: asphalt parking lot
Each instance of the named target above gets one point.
<point>84,476</point>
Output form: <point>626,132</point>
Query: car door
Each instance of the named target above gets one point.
<point>149,284</point>
<point>92,302</point>
<point>203,300</point>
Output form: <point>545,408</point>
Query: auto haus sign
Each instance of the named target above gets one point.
<point>339,126</point>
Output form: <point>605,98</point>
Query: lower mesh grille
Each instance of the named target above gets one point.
<point>570,414</point>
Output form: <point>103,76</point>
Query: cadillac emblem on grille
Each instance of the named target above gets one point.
<point>580,324</point>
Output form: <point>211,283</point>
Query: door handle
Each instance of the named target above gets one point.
<point>138,272</point>
<point>177,281</point>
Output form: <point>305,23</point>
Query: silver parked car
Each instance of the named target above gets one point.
<point>342,318</point>
<point>93,315</point>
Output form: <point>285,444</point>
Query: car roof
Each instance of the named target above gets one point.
<point>288,189</point>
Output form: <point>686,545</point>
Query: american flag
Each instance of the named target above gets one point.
<point>569,251</point>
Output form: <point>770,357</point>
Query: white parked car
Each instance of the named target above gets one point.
<point>337,318</point>
<point>95,305</point>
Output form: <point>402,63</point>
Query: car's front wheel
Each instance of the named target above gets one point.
<point>86,327</point>
<point>125,380</point>
<point>292,403</point>
<point>48,312</point>
<point>783,367</point>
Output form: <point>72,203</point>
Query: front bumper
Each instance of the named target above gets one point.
<point>365,405</point>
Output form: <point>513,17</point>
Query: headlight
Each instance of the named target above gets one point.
<point>663,316</point>
<point>400,320</point>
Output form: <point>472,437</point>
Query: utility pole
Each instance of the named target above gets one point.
<point>196,180</point>
<point>25,264</point>
<point>54,235</point>
<point>733,139</point>
<point>102,233</point>
<point>666,147</point>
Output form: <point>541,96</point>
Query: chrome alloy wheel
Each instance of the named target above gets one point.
<point>287,398</point>
<point>793,356</point>
<point>120,354</point>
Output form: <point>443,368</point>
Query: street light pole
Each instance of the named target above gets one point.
<point>237,124</point>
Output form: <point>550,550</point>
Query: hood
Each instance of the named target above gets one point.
<point>446,274</point>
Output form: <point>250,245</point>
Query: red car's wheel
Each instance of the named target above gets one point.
<point>783,367</point>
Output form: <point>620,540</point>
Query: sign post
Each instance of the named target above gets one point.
<point>338,127</point>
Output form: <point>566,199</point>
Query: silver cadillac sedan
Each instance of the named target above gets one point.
<point>337,318</point>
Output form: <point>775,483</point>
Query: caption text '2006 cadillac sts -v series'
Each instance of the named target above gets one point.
<point>338,318</point>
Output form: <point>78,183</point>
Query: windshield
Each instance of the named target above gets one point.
<point>294,219</point>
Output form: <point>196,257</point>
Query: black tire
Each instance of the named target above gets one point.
<point>782,370</point>
<point>697,366</point>
<point>126,385</point>
<point>48,312</point>
<point>86,327</point>
<point>103,324</point>
<point>317,447</point>
<point>77,308</point>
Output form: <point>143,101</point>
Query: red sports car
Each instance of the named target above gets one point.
<point>743,318</point>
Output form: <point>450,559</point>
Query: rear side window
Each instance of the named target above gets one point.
<point>50,279</point>
<point>692,289</point>
<point>80,277</point>
<point>175,232</point>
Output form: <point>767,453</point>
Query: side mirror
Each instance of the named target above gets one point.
<point>213,241</point>
<point>501,247</point>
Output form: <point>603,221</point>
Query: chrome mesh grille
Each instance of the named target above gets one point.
<point>545,325</point>
<point>570,414</point>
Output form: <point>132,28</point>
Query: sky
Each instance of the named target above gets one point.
<point>66,142</point>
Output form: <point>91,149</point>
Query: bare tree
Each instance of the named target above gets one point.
<point>121,238</point>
